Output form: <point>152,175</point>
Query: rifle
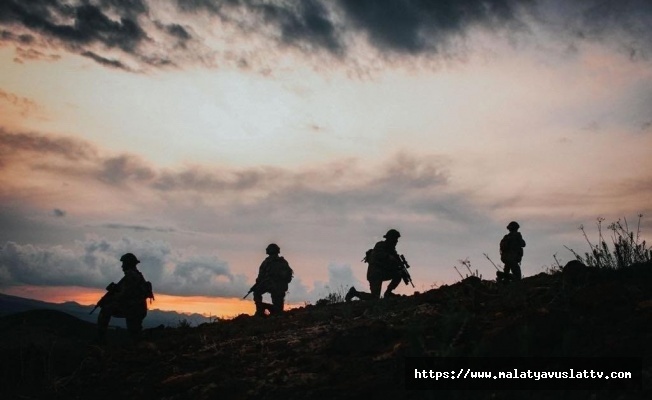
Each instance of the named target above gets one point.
<point>110,291</point>
<point>404,271</point>
<point>256,286</point>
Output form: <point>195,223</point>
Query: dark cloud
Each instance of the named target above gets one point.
<point>12,143</point>
<point>88,28</point>
<point>416,26</point>
<point>175,30</point>
<point>24,39</point>
<point>88,23</point>
<point>124,168</point>
<point>105,61</point>
<point>57,212</point>
<point>126,34</point>
<point>626,24</point>
<point>305,24</point>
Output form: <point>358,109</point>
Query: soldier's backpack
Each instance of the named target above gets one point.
<point>283,271</point>
<point>148,290</point>
<point>367,256</point>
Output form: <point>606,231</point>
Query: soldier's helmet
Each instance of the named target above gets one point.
<point>129,258</point>
<point>512,226</point>
<point>392,234</point>
<point>272,249</point>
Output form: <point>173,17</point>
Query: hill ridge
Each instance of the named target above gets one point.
<point>348,350</point>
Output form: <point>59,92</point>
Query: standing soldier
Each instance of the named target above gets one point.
<point>511,253</point>
<point>384,265</point>
<point>274,276</point>
<point>126,299</point>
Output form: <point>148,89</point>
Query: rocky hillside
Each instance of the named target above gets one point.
<point>358,349</point>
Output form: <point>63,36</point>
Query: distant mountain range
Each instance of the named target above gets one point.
<point>12,304</point>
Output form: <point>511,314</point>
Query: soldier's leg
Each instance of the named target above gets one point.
<point>516,271</point>
<point>351,294</point>
<point>278,301</point>
<point>507,268</point>
<point>393,284</point>
<point>103,320</point>
<point>260,306</point>
<point>375,287</point>
<point>134,327</point>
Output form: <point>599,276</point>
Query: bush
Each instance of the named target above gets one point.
<point>333,297</point>
<point>628,248</point>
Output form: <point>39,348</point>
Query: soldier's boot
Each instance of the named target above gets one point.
<point>275,309</point>
<point>260,310</point>
<point>390,288</point>
<point>351,294</point>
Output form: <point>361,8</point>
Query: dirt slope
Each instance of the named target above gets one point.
<point>354,350</point>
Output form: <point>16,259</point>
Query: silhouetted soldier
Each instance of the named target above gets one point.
<point>274,276</point>
<point>126,299</point>
<point>384,265</point>
<point>511,253</point>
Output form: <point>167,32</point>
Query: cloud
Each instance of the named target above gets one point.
<point>59,213</point>
<point>340,279</point>
<point>70,149</point>
<point>137,35</point>
<point>399,174</point>
<point>628,23</point>
<point>105,61</point>
<point>92,29</point>
<point>95,262</point>
<point>24,105</point>
<point>304,24</point>
<point>120,169</point>
<point>421,26</point>
<point>137,228</point>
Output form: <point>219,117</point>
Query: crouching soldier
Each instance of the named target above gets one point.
<point>126,299</point>
<point>274,276</point>
<point>384,265</point>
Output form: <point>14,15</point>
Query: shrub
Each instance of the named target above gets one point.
<point>333,297</point>
<point>627,247</point>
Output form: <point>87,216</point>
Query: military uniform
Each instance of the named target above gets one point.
<point>274,276</point>
<point>126,300</point>
<point>384,265</point>
<point>511,252</point>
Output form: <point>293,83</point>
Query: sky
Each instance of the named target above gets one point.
<point>194,133</point>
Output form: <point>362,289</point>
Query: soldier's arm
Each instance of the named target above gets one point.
<point>262,271</point>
